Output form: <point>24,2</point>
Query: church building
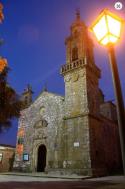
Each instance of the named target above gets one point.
<point>72,134</point>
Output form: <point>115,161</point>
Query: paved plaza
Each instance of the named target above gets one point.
<point>49,182</point>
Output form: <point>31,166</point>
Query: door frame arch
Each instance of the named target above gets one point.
<point>40,152</point>
<point>36,145</point>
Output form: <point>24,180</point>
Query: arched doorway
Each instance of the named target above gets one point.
<point>41,158</point>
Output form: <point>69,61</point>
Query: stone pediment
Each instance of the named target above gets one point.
<point>46,95</point>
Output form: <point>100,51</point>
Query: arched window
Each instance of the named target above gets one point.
<point>74,53</point>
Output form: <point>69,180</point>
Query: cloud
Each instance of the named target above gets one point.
<point>28,34</point>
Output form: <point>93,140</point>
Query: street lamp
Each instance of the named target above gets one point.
<point>107,29</point>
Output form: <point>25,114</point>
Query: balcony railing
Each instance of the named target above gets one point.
<point>80,63</point>
<point>68,67</point>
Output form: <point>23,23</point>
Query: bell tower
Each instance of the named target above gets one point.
<point>80,73</point>
<point>78,44</point>
<point>81,77</point>
<point>26,97</point>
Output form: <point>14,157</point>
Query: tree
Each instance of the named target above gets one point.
<point>10,104</point>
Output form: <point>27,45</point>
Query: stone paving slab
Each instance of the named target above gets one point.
<point>73,176</point>
<point>7,181</point>
<point>113,179</point>
<point>20,178</point>
<point>118,178</point>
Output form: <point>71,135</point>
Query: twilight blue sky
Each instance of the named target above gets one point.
<point>34,32</point>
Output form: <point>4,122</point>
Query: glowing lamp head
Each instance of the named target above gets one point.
<point>107,27</point>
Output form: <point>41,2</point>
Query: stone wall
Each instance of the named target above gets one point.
<point>108,109</point>
<point>76,93</point>
<point>105,146</point>
<point>77,147</point>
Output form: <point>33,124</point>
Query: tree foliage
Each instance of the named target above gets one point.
<point>10,104</point>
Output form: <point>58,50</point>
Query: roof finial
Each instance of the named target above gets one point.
<point>45,88</point>
<point>78,14</point>
<point>28,88</point>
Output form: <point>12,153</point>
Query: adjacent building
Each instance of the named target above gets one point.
<point>6,157</point>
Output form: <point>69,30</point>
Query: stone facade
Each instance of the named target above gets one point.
<point>72,134</point>
<point>42,123</point>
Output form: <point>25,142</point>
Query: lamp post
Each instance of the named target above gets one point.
<point>107,29</point>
